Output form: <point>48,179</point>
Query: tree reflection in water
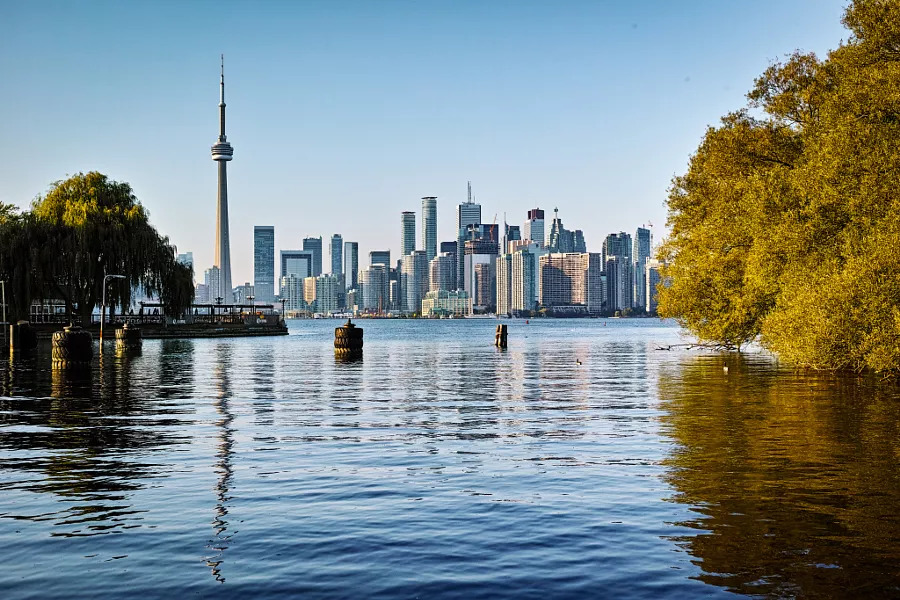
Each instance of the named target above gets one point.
<point>793,477</point>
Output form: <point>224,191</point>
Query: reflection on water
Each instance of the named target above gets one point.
<point>223,466</point>
<point>578,463</point>
<point>793,477</point>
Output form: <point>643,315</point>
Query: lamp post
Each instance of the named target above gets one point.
<point>103,305</point>
<point>5,326</point>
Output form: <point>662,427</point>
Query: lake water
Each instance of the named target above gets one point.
<point>581,462</point>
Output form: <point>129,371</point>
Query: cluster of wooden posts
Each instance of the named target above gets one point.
<point>73,347</point>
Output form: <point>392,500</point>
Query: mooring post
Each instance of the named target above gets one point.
<point>500,336</point>
<point>348,341</point>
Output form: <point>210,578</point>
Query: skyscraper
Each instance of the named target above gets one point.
<point>380,257</point>
<point>534,226</point>
<point>314,245</point>
<point>641,254</point>
<point>617,262</point>
<point>351,265</point>
<point>407,232</point>
<point>451,248</point>
<point>264,262</point>
<point>222,153</point>
<point>467,213</point>
<point>414,281</point>
<point>297,263</point>
<point>429,226</point>
<point>337,255</point>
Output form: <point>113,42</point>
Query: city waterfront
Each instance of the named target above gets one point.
<point>580,462</point>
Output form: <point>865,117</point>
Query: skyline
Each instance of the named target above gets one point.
<point>365,110</point>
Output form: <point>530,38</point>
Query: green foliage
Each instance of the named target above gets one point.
<point>786,226</point>
<point>86,227</point>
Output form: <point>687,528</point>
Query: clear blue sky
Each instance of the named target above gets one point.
<point>344,114</point>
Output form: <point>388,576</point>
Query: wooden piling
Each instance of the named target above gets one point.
<point>500,336</point>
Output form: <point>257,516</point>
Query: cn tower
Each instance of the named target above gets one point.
<point>221,153</point>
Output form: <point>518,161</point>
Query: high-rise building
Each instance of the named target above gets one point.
<point>479,272</point>
<point>351,265</point>
<point>414,281</point>
<point>337,255</point>
<point>560,240</point>
<point>292,292</point>
<point>314,246</point>
<point>620,273</point>
<point>373,283</point>
<point>580,245</point>
<point>467,213</point>
<point>297,263</point>
<point>264,262</point>
<point>652,279</point>
<point>222,152</point>
<point>641,254</point>
<point>407,232</point>
<point>201,294</point>
<point>380,257</point>
<point>328,294</point>
<point>534,226</point>
<point>517,280</point>
<point>451,249</point>
<point>511,233</point>
<point>212,279</point>
<point>429,226</point>
<point>442,272</point>
<point>572,279</point>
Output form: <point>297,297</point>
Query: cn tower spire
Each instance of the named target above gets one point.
<point>222,153</point>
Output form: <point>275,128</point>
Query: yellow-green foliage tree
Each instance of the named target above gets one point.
<point>786,226</point>
<point>86,227</point>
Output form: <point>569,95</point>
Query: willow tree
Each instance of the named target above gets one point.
<point>785,226</point>
<point>85,228</point>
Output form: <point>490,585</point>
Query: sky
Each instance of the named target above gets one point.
<point>343,114</point>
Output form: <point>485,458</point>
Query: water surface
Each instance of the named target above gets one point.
<point>581,462</point>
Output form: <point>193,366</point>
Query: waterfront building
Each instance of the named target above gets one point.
<point>397,301</point>
<point>641,254</point>
<point>504,285</point>
<point>351,265</point>
<point>353,299</point>
<point>620,283</point>
<point>524,278</point>
<point>264,262</point>
<point>292,292</point>
<point>222,152</point>
<point>445,303</point>
<point>314,246</point>
<point>569,279</point>
<point>534,227</point>
<point>517,279</point>
<point>652,282</point>
<point>380,257</point>
<point>467,213</point>
<point>242,294</point>
<point>480,281</point>
<point>442,271</point>
<point>407,232</point>
<point>373,283</point>
<point>429,226</point>
<point>337,255</point>
<point>414,281</point>
<point>212,278</point>
<point>322,293</point>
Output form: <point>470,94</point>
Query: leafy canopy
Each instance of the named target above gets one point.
<point>786,226</point>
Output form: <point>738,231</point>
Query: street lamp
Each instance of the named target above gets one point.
<point>103,304</point>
